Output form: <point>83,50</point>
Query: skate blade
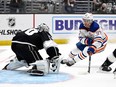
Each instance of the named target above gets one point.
<point>101,71</point>
<point>36,74</point>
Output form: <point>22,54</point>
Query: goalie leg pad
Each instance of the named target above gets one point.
<point>15,64</point>
<point>41,68</point>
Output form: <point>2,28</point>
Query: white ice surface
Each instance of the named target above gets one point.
<point>76,76</point>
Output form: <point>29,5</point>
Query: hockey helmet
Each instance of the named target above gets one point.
<point>43,27</point>
<point>88,17</point>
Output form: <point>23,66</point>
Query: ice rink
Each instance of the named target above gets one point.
<point>75,76</point>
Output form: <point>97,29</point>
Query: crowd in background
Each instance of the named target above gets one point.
<point>58,6</point>
<point>105,6</point>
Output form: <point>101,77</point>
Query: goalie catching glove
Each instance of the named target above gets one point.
<point>53,59</point>
<point>50,65</point>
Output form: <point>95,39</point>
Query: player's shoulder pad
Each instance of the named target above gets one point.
<point>94,27</point>
<point>82,26</point>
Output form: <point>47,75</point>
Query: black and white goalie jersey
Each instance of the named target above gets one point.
<point>32,37</point>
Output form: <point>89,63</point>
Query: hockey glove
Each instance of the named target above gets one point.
<point>91,50</point>
<point>88,41</point>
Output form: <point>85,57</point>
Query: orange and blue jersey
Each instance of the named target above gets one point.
<point>95,32</point>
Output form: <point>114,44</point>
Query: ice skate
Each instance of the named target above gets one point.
<point>39,68</point>
<point>67,62</point>
<point>35,72</point>
<point>33,67</point>
<point>105,69</point>
<point>64,61</point>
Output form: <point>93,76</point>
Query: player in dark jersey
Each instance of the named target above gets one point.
<point>92,40</point>
<point>109,61</point>
<point>26,45</point>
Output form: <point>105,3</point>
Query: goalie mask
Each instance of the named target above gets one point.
<point>43,27</point>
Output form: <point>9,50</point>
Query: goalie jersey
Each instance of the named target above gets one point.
<point>32,37</point>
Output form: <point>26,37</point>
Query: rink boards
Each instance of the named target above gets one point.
<point>63,28</point>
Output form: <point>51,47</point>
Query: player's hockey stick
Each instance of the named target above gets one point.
<point>89,66</point>
<point>114,76</point>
